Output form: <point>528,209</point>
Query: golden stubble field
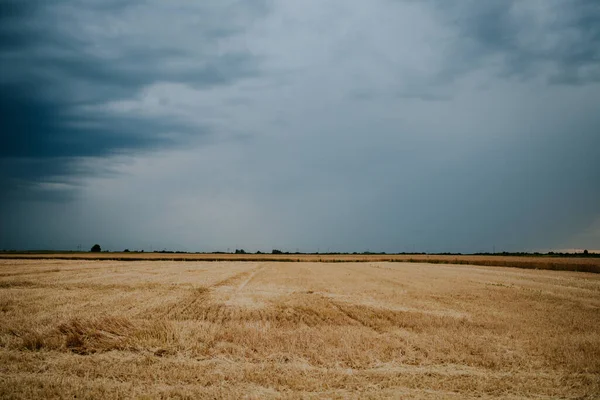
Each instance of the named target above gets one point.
<point>198,329</point>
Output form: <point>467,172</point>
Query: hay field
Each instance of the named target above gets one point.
<point>550,262</point>
<point>197,329</point>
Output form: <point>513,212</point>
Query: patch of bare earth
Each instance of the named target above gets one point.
<point>111,329</point>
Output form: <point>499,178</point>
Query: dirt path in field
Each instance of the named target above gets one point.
<point>252,275</point>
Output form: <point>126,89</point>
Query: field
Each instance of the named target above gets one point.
<point>265,329</point>
<point>550,262</point>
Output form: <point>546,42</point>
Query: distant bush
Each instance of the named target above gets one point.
<point>240,251</point>
<point>96,248</point>
<point>275,251</point>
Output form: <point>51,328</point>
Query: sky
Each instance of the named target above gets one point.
<point>315,125</point>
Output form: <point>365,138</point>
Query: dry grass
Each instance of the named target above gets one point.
<point>110,329</point>
<point>555,263</point>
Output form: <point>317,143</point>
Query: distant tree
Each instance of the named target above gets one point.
<point>96,248</point>
<point>240,251</point>
<point>275,251</point>
<point>126,251</point>
<point>259,252</point>
<point>585,252</point>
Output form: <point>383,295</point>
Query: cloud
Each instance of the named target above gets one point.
<point>555,39</point>
<point>341,125</point>
<point>63,59</point>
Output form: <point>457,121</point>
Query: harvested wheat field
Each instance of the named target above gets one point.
<point>198,329</point>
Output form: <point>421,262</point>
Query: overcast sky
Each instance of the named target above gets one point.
<point>329,125</point>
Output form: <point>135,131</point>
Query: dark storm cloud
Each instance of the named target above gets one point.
<point>562,35</point>
<point>54,62</point>
<point>384,125</point>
